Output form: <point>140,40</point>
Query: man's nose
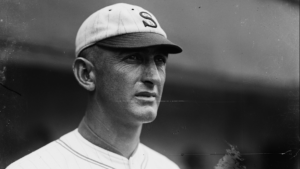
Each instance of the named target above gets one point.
<point>151,75</point>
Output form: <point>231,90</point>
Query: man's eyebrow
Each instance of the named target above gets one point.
<point>132,50</point>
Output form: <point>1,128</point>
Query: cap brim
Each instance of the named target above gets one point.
<point>140,40</point>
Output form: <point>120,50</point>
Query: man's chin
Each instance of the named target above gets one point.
<point>146,114</point>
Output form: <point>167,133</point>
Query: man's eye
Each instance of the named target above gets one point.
<point>134,58</point>
<point>161,59</point>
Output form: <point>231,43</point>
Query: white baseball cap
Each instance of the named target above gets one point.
<point>123,26</point>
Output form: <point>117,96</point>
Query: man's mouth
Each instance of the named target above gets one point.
<point>146,96</point>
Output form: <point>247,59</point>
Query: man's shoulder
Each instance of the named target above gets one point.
<point>158,160</point>
<point>37,159</point>
<point>48,156</point>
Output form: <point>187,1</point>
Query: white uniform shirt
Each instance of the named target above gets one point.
<point>72,151</point>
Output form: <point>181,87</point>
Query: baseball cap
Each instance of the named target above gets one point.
<point>123,26</point>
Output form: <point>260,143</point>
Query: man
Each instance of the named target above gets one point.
<point>121,54</point>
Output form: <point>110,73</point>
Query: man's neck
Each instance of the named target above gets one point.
<point>121,140</point>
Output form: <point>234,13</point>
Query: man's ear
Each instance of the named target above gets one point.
<point>84,72</point>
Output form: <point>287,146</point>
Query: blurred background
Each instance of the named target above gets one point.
<point>237,81</point>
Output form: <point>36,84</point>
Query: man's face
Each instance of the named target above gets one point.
<point>129,83</point>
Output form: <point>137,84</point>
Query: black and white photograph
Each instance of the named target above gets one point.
<point>149,84</point>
